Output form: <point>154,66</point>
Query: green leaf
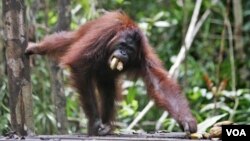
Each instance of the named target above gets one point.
<point>203,126</point>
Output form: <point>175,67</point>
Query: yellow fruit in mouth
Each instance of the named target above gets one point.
<point>116,64</point>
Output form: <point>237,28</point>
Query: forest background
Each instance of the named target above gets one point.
<point>215,75</point>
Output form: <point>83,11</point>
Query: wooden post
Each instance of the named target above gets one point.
<point>19,85</point>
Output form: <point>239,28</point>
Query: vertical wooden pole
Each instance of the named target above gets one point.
<point>19,85</point>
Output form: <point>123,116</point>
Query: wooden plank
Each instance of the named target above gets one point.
<point>114,137</point>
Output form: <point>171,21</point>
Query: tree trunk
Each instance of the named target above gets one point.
<point>20,97</point>
<point>56,74</point>
<point>240,55</point>
<point>3,70</point>
<point>238,22</point>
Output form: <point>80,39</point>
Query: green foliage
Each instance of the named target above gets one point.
<point>205,107</point>
<point>4,112</point>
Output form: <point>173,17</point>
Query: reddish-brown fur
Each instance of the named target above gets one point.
<point>86,52</point>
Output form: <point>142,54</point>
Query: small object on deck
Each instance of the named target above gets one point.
<point>219,124</point>
<point>206,135</point>
<point>215,132</point>
<point>196,136</point>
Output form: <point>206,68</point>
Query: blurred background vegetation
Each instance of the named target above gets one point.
<point>205,76</point>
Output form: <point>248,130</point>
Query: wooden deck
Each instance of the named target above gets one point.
<point>179,136</point>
